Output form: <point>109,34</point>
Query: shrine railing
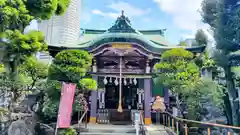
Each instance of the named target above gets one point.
<point>179,126</point>
<point>141,124</point>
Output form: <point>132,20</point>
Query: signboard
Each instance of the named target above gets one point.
<point>65,106</point>
<point>137,117</point>
<point>122,46</point>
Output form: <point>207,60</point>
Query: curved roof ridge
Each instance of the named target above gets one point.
<point>137,36</point>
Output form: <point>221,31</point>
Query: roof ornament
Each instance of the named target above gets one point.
<point>122,12</point>
<point>122,25</point>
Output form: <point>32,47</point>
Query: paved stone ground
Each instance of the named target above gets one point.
<point>156,130</point>
<point>108,129</point>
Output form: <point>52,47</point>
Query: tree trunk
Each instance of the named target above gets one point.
<point>227,109</point>
<point>232,93</point>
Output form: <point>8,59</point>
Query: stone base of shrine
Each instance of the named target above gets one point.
<point>92,120</point>
<point>148,121</point>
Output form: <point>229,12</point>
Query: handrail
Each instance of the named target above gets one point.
<point>84,114</point>
<point>205,123</point>
<point>173,123</point>
<point>81,119</point>
<point>142,127</point>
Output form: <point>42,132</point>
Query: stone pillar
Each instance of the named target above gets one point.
<point>147,101</point>
<point>93,108</point>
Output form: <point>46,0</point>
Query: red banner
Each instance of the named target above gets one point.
<point>65,106</point>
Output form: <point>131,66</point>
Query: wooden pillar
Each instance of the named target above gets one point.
<point>147,101</point>
<point>93,111</point>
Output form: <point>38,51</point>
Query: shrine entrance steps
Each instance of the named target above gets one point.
<point>156,129</point>
<point>108,129</point>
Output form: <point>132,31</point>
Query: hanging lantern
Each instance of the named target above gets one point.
<point>135,81</point>
<point>105,80</point>
<point>125,81</point>
<point>110,80</point>
<point>130,81</point>
<point>116,81</point>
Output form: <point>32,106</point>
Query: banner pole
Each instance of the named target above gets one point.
<point>56,130</point>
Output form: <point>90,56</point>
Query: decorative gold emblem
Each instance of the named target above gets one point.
<point>121,46</point>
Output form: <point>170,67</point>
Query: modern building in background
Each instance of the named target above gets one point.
<point>63,29</point>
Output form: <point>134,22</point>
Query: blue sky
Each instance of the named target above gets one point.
<point>181,18</point>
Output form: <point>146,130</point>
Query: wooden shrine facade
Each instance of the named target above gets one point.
<point>123,60</point>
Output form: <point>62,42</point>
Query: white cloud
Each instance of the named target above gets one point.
<point>185,14</point>
<point>147,20</point>
<point>117,7</point>
<point>85,17</point>
<point>108,14</point>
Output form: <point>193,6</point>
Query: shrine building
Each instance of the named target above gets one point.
<point>123,60</point>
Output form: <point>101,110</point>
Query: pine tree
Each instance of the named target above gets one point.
<point>223,16</point>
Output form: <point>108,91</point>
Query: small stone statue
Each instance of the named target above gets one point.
<point>158,104</point>
<point>19,127</point>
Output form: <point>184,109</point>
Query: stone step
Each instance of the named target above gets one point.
<point>108,129</point>
<point>100,133</point>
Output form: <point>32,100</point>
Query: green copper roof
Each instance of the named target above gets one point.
<point>107,38</point>
<point>156,39</point>
<point>122,31</point>
<point>122,27</point>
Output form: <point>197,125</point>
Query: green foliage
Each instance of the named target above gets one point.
<point>44,9</point>
<point>16,86</point>
<point>205,62</point>
<point>14,15</point>
<point>223,17</point>
<point>35,70</point>
<point>181,75</point>
<point>177,68</point>
<point>209,12</point>
<point>236,71</point>
<point>88,84</point>
<point>21,46</point>
<point>68,66</point>
<point>17,14</point>
<point>62,6</point>
<point>2,69</point>
<point>201,38</point>
<point>177,53</point>
<point>182,43</point>
<point>68,131</point>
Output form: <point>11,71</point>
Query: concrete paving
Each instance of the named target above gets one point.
<point>156,130</point>
<point>108,129</point>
